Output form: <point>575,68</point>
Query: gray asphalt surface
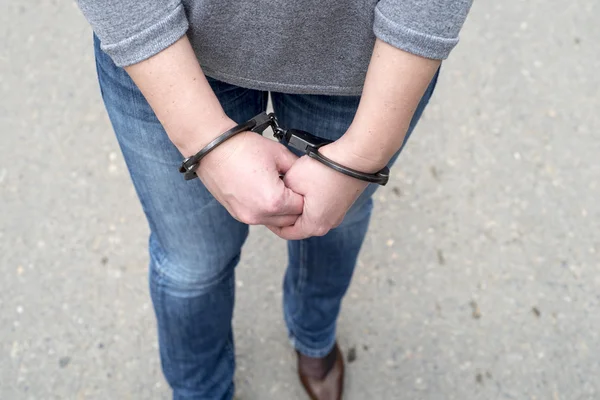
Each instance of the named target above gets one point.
<point>480,278</point>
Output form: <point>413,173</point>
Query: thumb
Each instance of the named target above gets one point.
<point>293,203</point>
<point>284,159</point>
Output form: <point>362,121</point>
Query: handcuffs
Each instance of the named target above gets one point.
<point>303,141</point>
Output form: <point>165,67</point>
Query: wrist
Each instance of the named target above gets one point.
<point>353,151</point>
<point>192,141</point>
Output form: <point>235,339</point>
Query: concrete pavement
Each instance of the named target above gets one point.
<point>480,278</point>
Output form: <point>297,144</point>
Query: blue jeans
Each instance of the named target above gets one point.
<point>195,244</point>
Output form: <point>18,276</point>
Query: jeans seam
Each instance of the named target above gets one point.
<point>302,273</point>
<point>303,265</point>
<point>229,344</point>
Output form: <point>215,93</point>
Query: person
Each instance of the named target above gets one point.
<point>175,74</point>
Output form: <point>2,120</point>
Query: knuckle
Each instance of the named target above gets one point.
<point>337,222</point>
<point>248,218</point>
<point>273,204</point>
<point>235,214</point>
<point>320,230</point>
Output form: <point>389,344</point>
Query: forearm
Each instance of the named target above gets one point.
<point>177,90</point>
<point>395,82</point>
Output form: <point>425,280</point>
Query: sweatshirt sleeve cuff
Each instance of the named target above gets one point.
<point>401,37</point>
<point>150,40</point>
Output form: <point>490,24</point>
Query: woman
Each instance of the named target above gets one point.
<point>177,74</point>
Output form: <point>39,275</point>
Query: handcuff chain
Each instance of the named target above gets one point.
<point>278,131</point>
<point>297,139</point>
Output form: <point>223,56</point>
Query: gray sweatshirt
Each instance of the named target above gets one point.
<point>293,46</point>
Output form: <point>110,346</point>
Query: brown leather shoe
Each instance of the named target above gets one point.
<point>322,378</point>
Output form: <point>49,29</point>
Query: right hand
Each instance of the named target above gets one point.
<point>243,175</point>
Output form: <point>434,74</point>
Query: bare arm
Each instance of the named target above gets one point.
<point>242,173</point>
<point>178,92</point>
<point>396,80</point>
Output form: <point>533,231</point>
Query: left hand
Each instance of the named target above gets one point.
<point>328,194</point>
